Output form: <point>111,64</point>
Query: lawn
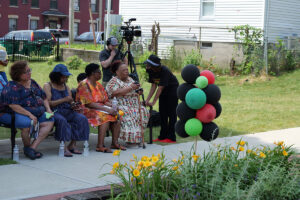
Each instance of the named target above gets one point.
<point>250,104</point>
<point>4,161</point>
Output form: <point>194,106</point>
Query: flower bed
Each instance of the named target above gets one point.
<point>222,173</point>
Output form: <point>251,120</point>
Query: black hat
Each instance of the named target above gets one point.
<point>153,60</point>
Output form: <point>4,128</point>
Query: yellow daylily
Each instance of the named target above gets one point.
<point>141,163</point>
<point>175,168</point>
<point>144,158</point>
<point>262,155</point>
<point>136,172</point>
<point>236,165</point>
<point>116,165</point>
<point>249,151</point>
<point>134,156</point>
<point>232,148</point>
<point>116,153</point>
<point>195,157</point>
<point>285,153</point>
<point>174,160</point>
<point>241,143</point>
<point>155,159</point>
<point>148,164</point>
<point>241,148</point>
<point>112,172</point>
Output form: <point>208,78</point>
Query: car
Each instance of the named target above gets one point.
<point>30,35</point>
<point>88,37</point>
<point>61,35</point>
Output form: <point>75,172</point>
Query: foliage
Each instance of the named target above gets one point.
<point>84,46</point>
<point>192,57</point>
<point>4,161</point>
<point>175,60</point>
<point>50,61</point>
<point>74,62</point>
<point>142,71</point>
<point>251,39</point>
<point>238,172</point>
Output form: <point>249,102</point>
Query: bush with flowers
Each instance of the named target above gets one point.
<point>224,172</point>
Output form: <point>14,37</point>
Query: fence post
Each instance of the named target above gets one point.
<point>57,50</point>
<point>13,49</point>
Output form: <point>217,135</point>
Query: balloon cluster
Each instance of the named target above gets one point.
<point>200,104</point>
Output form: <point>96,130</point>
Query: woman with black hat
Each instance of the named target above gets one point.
<point>165,84</point>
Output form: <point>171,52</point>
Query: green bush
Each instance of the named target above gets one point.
<point>192,57</point>
<point>74,62</point>
<point>142,72</point>
<point>175,61</point>
<point>226,172</point>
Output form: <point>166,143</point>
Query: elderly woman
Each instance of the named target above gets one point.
<point>70,125</point>
<point>97,108</point>
<point>124,89</point>
<point>25,97</point>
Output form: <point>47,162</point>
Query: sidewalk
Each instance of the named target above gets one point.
<point>52,174</point>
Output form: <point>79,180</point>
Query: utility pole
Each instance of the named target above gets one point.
<point>108,20</point>
<point>100,15</point>
<point>71,21</point>
<point>92,24</point>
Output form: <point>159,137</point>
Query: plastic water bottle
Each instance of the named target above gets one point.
<point>114,103</point>
<point>16,153</point>
<point>85,148</point>
<point>61,151</point>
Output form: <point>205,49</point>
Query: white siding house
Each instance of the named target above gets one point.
<point>209,21</point>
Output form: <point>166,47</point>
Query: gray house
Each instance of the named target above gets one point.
<point>205,24</point>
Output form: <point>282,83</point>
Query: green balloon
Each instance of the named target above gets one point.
<point>195,98</point>
<point>201,82</point>
<point>193,127</point>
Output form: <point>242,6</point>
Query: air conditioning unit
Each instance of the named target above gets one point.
<point>292,42</point>
<point>76,7</point>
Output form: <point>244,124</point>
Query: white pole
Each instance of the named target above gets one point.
<point>29,16</point>
<point>266,13</point>
<point>108,20</point>
<point>71,21</point>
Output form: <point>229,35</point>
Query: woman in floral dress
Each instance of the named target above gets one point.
<point>124,89</point>
<point>97,108</point>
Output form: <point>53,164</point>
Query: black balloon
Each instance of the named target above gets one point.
<point>209,132</point>
<point>213,93</point>
<point>183,89</point>
<point>190,73</point>
<point>218,108</point>
<point>179,128</point>
<point>184,112</point>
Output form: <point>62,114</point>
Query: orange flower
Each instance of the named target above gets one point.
<point>262,155</point>
<point>136,172</point>
<point>285,153</point>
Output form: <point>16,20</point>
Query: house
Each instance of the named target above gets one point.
<point>40,14</point>
<point>205,24</point>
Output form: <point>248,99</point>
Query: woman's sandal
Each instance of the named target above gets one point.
<point>30,153</point>
<point>103,149</point>
<point>38,154</point>
<point>118,146</point>
<point>68,154</point>
<point>75,151</point>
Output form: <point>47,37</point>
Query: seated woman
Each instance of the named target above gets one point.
<point>70,125</point>
<point>97,108</point>
<point>124,89</point>
<point>25,97</point>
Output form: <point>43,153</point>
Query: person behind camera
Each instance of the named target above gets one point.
<point>109,55</point>
<point>70,125</point>
<point>165,84</point>
<point>125,89</point>
<point>97,108</point>
<point>25,97</point>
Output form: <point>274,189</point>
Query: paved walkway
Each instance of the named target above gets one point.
<point>52,174</point>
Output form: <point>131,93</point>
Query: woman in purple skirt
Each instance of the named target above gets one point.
<point>70,125</point>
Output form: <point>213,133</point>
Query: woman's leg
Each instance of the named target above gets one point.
<point>101,134</point>
<point>116,126</point>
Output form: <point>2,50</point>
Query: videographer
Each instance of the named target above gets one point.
<point>162,79</point>
<point>109,55</point>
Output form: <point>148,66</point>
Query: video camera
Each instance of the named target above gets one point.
<point>128,32</point>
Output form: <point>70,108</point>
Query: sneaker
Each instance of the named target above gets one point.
<point>168,141</point>
<point>157,140</point>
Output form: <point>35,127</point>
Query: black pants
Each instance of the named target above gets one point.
<point>167,110</point>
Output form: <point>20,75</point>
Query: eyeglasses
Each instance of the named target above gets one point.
<point>28,71</point>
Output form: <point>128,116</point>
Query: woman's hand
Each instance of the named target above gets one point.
<point>33,118</point>
<point>68,99</point>
<point>112,111</point>
<point>134,86</point>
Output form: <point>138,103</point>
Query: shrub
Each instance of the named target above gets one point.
<point>175,61</point>
<point>226,172</point>
<point>192,57</point>
<point>74,62</point>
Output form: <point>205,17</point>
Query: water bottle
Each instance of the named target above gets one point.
<point>61,151</point>
<point>85,148</point>
<point>114,103</point>
<point>16,153</point>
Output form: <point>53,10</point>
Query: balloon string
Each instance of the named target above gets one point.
<point>195,150</point>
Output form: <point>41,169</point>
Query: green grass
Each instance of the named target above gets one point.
<point>84,46</point>
<point>257,105</point>
<point>4,161</point>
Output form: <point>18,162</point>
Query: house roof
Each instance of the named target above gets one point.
<point>54,13</point>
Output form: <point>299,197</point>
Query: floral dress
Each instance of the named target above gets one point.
<point>130,124</point>
<point>87,93</point>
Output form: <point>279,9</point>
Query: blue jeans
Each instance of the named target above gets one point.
<point>22,121</point>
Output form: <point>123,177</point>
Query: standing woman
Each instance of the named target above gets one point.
<point>162,79</point>
<point>97,108</point>
<point>70,125</point>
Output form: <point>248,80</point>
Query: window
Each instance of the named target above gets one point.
<point>33,24</point>
<point>76,29</point>
<point>13,2</point>
<point>76,5</point>
<point>53,4</point>
<point>106,3</point>
<point>206,45</point>
<point>34,3</point>
<point>12,24</point>
<point>24,1</point>
<point>94,6</point>
<point>207,8</point>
